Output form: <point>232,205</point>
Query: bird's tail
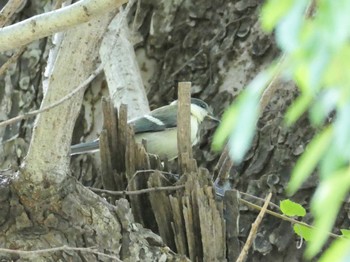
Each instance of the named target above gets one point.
<point>83,148</point>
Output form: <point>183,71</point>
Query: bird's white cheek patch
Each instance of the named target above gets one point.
<point>198,112</point>
<point>194,130</point>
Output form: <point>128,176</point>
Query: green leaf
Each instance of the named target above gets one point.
<point>273,11</point>
<point>225,128</point>
<point>345,233</point>
<point>317,66</point>
<point>299,106</point>
<point>290,208</point>
<point>242,136</point>
<point>309,159</point>
<point>337,73</point>
<point>331,162</point>
<point>247,115</point>
<point>238,122</point>
<point>301,73</point>
<point>303,231</point>
<point>342,131</point>
<point>324,104</point>
<point>290,26</point>
<point>329,194</point>
<point>339,251</point>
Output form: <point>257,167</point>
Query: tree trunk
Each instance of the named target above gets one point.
<point>44,207</point>
<point>218,46</point>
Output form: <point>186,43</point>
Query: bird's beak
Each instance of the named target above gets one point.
<point>210,116</point>
<point>213,118</point>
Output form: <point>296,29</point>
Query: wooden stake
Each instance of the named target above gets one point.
<point>184,121</point>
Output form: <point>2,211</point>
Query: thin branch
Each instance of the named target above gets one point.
<point>283,217</point>
<point>259,199</point>
<point>136,16</point>
<point>55,249</point>
<point>272,86</point>
<point>243,255</point>
<point>137,192</point>
<point>62,100</point>
<point>310,9</point>
<point>223,167</point>
<point>265,99</point>
<point>12,59</point>
<point>123,77</point>
<point>9,10</point>
<point>46,24</point>
<point>243,201</point>
<point>144,171</point>
<point>58,4</point>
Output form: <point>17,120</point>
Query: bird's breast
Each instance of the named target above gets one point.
<point>164,143</point>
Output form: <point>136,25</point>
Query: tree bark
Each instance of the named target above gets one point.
<point>218,46</point>
<point>43,206</point>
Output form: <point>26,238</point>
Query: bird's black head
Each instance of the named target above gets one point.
<point>202,111</point>
<point>199,103</point>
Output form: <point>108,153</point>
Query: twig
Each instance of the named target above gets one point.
<point>269,91</point>
<point>55,249</point>
<point>62,100</point>
<point>137,12</point>
<point>243,255</point>
<point>48,23</point>
<point>137,192</point>
<point>58,4</point>
<point>8,10</point>
<point>283,217</point>
<point>310,9</point>
<point>272,86</point>
<point>186,63</point>
<point>223,166</point>
<point>144,171</point>
<point>259,198</point>
<point>12,59</point>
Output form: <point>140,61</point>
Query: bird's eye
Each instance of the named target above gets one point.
<point>203,106</point>
<point>199,103</point>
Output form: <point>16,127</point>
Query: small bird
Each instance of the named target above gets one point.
<point>159,129</point>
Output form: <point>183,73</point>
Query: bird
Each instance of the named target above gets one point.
<point>159,129</point>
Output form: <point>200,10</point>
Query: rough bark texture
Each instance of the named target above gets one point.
<point>42,205</point>
<point>190,220</point>
<point>218,46</point>
<point>71,215</point>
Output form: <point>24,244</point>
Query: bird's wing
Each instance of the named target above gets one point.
<point>85,148</point>
<point>158,120</point>
<point>166,114</point>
